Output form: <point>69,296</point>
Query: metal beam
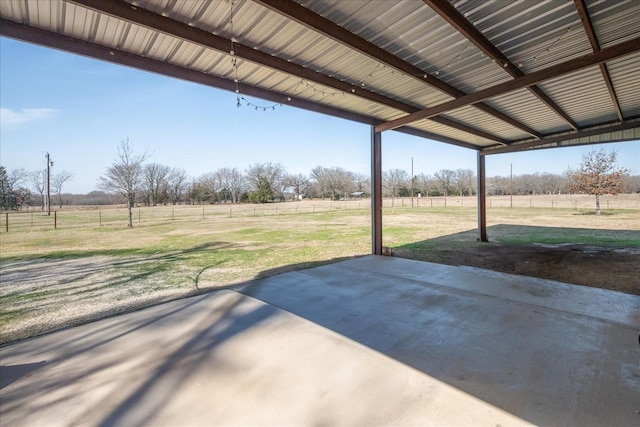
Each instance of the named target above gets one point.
<point>482,199</point>
<point>631,123</point>
<point>156,22</point>
<point>376,192</point>
<point>617,51</point>
<point>309,19</point>
<point>595,46</point>
<point>449,13</point>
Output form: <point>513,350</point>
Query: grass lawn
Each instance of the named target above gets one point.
<point>52,278</point>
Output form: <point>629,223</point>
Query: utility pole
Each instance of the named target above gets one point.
<point>49,164</point>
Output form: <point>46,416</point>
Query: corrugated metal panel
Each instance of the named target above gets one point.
<point>482,121</point>
<point>413,32</point>
<point>529,110</point>
<point>611,20</point>
<point>583,95</point>
<point>625,75</point>
<point>535,34</point>
<point>437,128</point>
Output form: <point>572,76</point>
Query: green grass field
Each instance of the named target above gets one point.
<point>81,271</point>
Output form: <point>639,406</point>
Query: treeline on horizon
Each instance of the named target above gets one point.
<point>270,182</point>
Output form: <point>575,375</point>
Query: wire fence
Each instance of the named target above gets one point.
<point>74,217</point>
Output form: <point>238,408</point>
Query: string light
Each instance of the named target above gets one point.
<point>454,58</point>
<point>552,44</point>
<point>234,64</point>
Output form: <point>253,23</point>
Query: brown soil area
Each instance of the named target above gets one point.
<point>617,269</point>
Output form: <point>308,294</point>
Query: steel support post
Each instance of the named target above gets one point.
<point>482,200</point>
<point>376,192</point>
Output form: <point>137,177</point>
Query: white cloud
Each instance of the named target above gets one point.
<point>11,118</point>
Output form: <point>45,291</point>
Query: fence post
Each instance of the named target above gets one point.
<point>230,212</point>
<point>172,211</point>
<point>100,217</point>
<point>6,222</point>
<point>139,215</point>
<point>203,213</point>
<point>55,220</point>
<point>31,219</point>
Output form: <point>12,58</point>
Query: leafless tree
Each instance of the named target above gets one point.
<point>38,179</point>
<point>58,182</point>
<point>211,185</point>
<point>321,175</point>
<point>598,174</point>
<point>464,181</point>
<point>13,196</point>
<point>231,183</point>
<point>125,175</point>
<point>394,179</point>
<point>155,181</point>
<point>445,178</point>
<point>266,181</point>
<point>362,183</point>
<point>299,184</point>
<point>339,182</point>
<point>176,184</point>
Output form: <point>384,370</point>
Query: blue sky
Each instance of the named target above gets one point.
<point>78,110</point>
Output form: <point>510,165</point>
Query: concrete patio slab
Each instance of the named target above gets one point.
<point>369,341</point>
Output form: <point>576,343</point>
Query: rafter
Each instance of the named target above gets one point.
<point>92,50</point>
<point>309,19</point>
<point>558,70</point>
<point>595,46</point>
<point>454,18</point>
<point>181,30</point>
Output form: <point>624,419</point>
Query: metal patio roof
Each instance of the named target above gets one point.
<point>494,76</point>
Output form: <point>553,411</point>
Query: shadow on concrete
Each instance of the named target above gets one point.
<point>12,373</point>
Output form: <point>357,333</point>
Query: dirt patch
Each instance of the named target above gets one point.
<point>611,268</point>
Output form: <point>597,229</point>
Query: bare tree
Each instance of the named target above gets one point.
<point>298,183</point>
<point>58,182</point>
<point>38,179</point>
<point>176,184</point>
<point>231,183</point>
<point>339,182</point>
<point>444,178</point>
<point>598,175</point>
<point>266,181</point>
<point>362,183</point>
<point>124,176</point>
<point>211,185</point>
<point>394,179</point>
<point>13,196</point>
<point>463,181</point>
<point>321,175</point>
<point>155,181</point>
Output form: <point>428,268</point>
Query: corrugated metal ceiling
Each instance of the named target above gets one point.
<point>377,61</point>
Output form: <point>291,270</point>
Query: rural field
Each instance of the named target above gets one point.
<point>84,264</point>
